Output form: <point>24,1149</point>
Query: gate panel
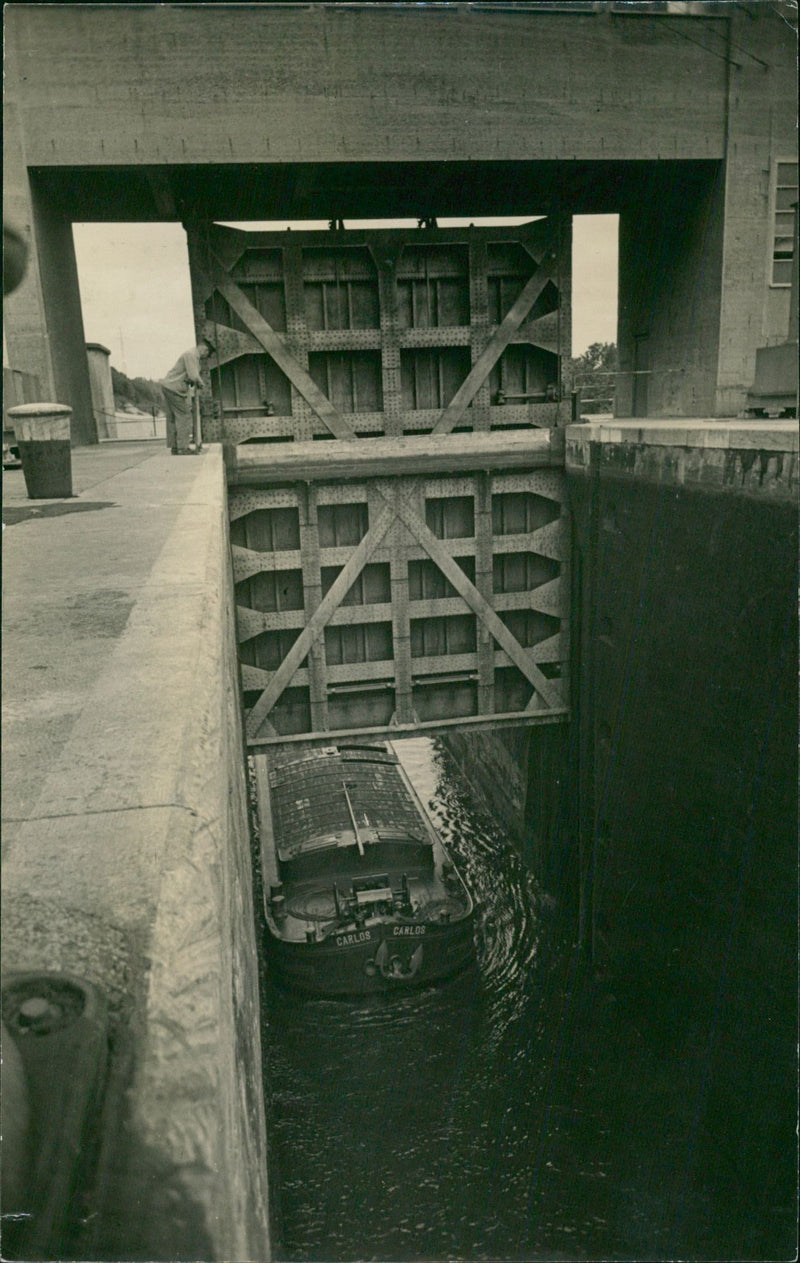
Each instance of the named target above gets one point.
<point>386,581</point>
<point>390,326</point>
<point>393,607</point>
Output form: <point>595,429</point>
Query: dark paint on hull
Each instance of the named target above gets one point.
<point>385,961</point>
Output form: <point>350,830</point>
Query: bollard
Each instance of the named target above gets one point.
<point>57,1026</point>
<point>42,432</point>
<point>15,1115</point>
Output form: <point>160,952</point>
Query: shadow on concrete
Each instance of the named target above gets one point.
<point>13,515</point>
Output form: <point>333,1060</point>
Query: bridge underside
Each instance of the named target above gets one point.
<point>671,247</point>
<point>368,190</point>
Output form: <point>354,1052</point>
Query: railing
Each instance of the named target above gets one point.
<point>121,425</point>
<point>593,393</point>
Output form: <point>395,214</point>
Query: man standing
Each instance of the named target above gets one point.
<point>177,387</point>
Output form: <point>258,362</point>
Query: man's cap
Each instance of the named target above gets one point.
<point>209,335</point>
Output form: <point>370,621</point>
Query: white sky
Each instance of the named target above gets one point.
<point>135,295</point>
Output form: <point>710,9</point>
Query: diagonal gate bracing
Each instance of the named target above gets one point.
<point>412,591</point>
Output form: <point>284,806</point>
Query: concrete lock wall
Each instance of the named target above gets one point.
<point>663,817</point>
<point>685,562</point>
<point>130,866</point>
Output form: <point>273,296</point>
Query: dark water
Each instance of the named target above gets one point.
<point>526,1110</point>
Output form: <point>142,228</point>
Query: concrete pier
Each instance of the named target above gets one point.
<point>746,457</point>
<point>126,848</point>
<point>684,553</point>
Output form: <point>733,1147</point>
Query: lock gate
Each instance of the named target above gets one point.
<point>390,405</point>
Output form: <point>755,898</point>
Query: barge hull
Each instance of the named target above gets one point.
<point>383,962</point>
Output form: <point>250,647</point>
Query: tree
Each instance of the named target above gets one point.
<point>123,388</point>
<point>141,392</point>
<point>593,375</point>
<point>148,392</point>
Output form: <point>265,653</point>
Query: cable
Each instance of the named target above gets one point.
<point>739,48</point>
<point>720,56</point>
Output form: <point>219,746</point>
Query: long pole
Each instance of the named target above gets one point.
<point>353,818</point>
<point>198,433</point>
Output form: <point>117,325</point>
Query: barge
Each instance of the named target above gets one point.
<point>361,895</point>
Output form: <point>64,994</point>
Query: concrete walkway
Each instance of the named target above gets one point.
<point>126,857</point>
<point>71,573</point>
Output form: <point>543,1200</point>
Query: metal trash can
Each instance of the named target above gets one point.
<point>42,431</point>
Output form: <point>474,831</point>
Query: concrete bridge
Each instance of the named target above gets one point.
<point>419,536</point>
<point>674,116</point>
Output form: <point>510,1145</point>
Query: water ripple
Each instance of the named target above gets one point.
<point>385,1102</point>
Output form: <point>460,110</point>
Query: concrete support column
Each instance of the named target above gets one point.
<point>24,325</point>
<point>761,125</point>
<point>58,272</point>
<point>670,261</point>
<point>42,318</point>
